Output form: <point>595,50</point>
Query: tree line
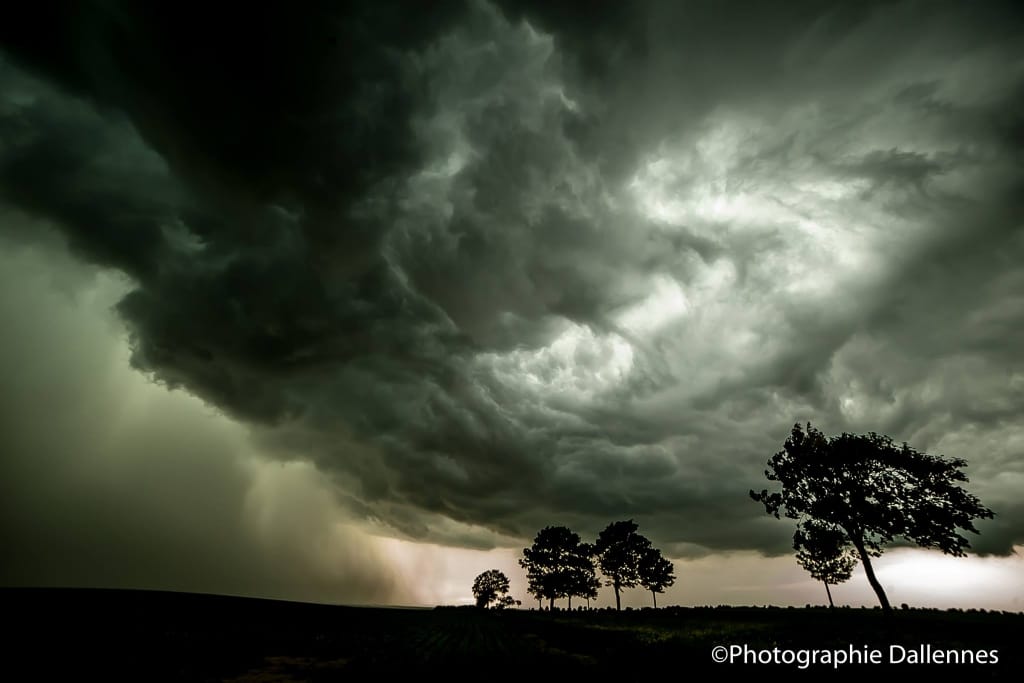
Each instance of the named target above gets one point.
<point>850,495</point>
<point>560,565</point>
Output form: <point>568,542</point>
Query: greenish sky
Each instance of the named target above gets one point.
<point>346,307</point>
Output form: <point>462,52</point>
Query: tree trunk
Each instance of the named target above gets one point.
<point>618,605</point>
<point>829,593</point>
<point>655,596</point>
<point>870,572</point>
<point>551,604</point>
<point>570,603</point>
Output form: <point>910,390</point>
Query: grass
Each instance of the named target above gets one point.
<point>149,636</point>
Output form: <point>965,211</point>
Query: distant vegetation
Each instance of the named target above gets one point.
<point>560,565</point>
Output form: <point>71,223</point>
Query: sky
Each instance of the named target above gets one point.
<point>344,304</point>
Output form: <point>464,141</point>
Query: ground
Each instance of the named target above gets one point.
<point>151,636</point>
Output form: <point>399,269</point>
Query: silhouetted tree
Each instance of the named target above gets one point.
<point>557,565</point>
<point>872,491</point>
<point>825,553</point>
<point>582,574</point>
<point>491,586</point>
<point>541,586</point>
<point>506,601</point>
<point>619,549</point>
<point>656,573</point>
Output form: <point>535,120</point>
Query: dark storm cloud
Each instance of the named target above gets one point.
<point>520,266</point>
<point>109,481</point>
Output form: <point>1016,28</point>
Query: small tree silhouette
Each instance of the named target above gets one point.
<point>506,601</point>
<point>872,491</point>
<point>656,573</point>
<point>491,586</point>
<point>825,553</point>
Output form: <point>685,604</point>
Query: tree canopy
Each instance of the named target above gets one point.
<point>655,572</point>
<point>872,491</point>
<point>825,553</point>
<point>619,550</point>
<point>559,565</point>
<point>492,587</point>
<point>582,578</point>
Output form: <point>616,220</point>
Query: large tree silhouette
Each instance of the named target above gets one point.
<point>656,572</point>
<point>558,565</point>
<point>872,491</point>
<point>825,553</point>
<point>492,586</point>
<point>619,550</point>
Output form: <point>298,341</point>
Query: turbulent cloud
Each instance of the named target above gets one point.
<point>108,480</point>
<point>490,274</point>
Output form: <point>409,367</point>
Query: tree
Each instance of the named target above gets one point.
<point>619,549</point>
<point>825,553</point>
<point>656,573</point>
<point>506,601</point>
<point>558,565</point>
<point>491,586</point>
<point>582,579</point>
<point>543,586</point>
<point>872,491</point>
<point>589,591</point>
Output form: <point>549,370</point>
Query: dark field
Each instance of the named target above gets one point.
<point>148,636</point>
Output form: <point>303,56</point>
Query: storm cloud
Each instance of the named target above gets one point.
<point>496,267</point>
